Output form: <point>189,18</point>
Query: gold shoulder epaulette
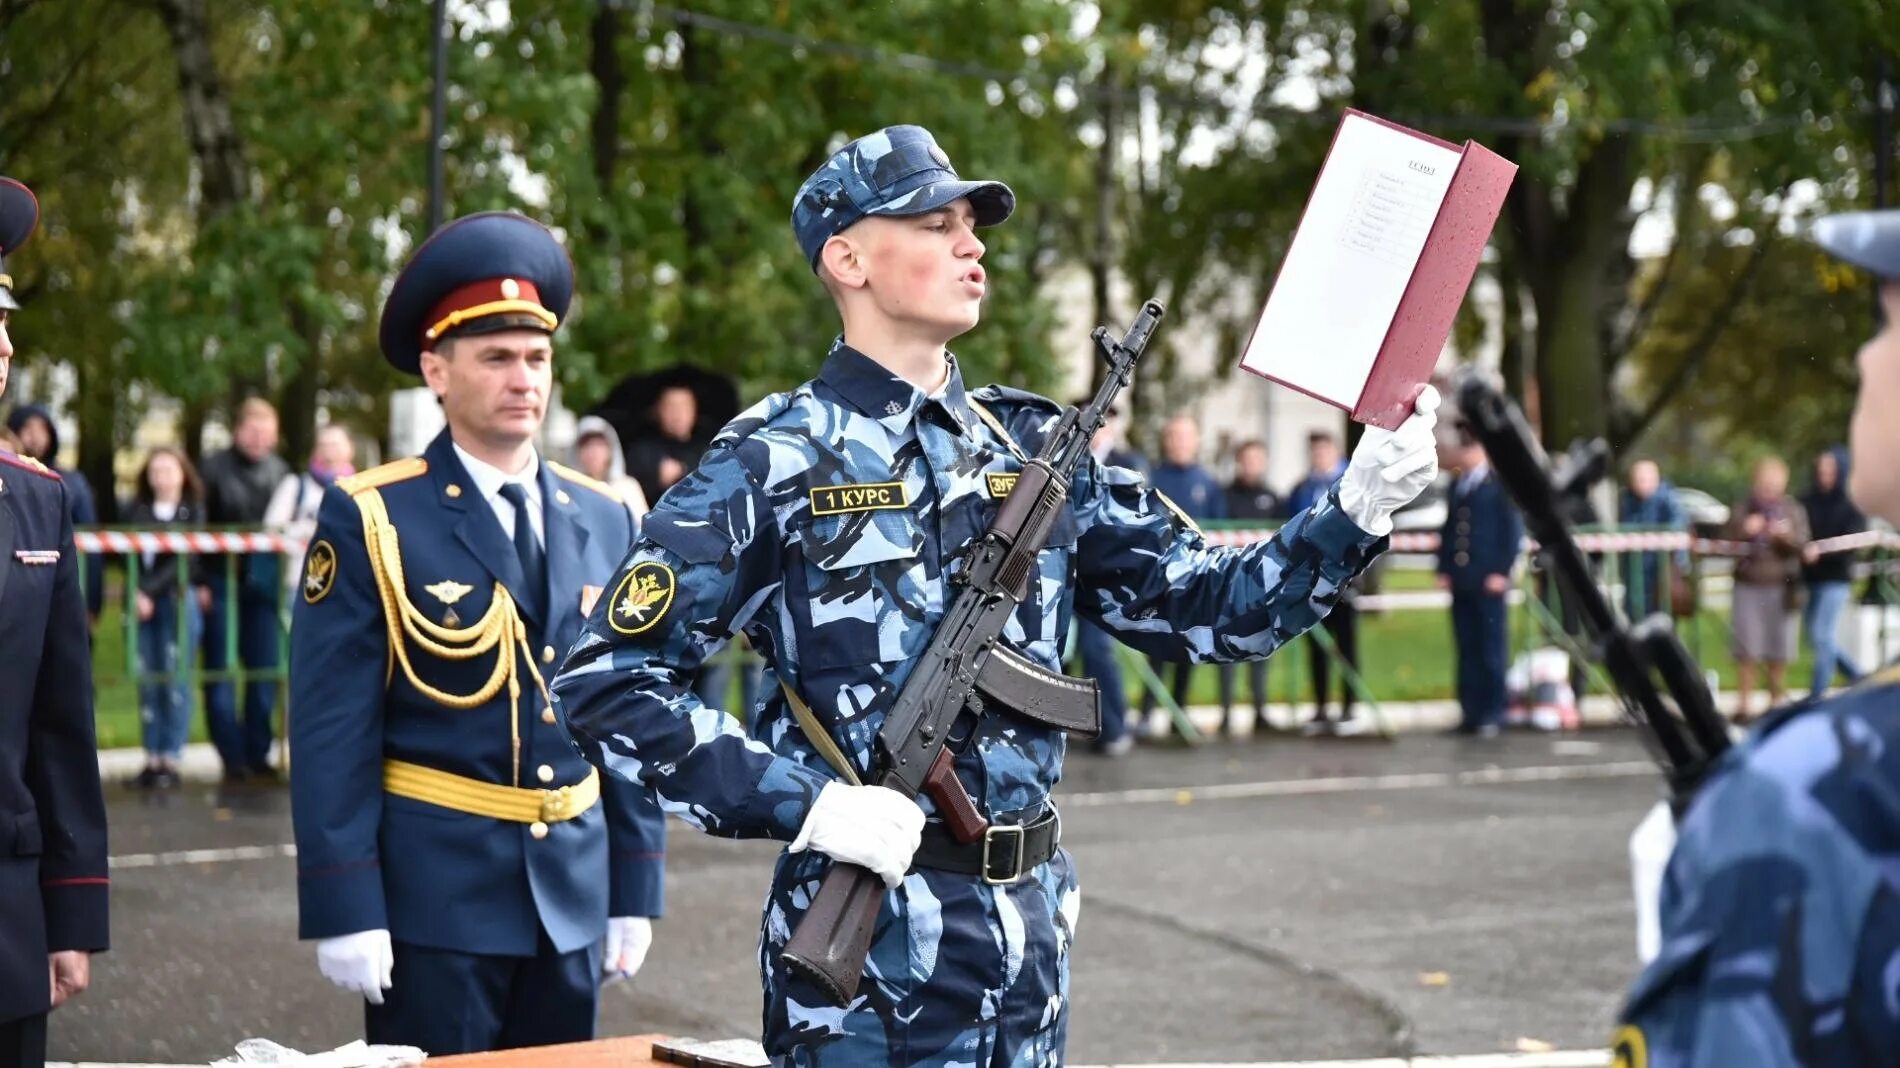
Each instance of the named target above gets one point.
<point>579,479</point>
<point>394,471</point>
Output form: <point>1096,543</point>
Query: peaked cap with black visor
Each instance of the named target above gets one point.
<point>19,214</point>
<point>481,274</point>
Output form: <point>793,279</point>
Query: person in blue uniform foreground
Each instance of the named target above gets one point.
<point>461,867</point>
<point>1776,939</point>
<point>826,524</point>
<point>52,813</point>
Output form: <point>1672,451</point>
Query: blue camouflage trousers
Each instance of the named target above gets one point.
<point>960,973</point>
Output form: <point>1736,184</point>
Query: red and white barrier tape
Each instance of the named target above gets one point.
<point>121,542</point>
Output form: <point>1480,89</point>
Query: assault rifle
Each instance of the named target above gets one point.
<point>1683,731</point>
<point>935,714</point>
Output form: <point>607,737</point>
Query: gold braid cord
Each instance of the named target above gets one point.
<point>499,631</point>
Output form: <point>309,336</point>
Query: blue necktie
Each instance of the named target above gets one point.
<point>534,562</point>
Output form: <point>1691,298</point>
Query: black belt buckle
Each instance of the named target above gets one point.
<point>1014,837</point>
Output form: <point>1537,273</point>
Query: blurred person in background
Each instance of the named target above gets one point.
<point>1095,646</point>
<point>239,484</point>
<point>1250,498</point>
<point>170,611</point>
<point>1773,527</point>
<point>597,454</point>
<point>1829,576</point>
<point>1194,492</point>
<point>1648,501</point>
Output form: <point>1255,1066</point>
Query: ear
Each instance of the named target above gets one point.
<point>435,371</point>
<point>843,259</point>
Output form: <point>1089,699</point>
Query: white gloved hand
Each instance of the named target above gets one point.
<point>1391,467</point>
<point>628,939</point>
<point>870,826</point>
<point>1650,846</point>
<point>361,962</point>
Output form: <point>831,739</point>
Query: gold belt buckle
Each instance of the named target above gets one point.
<point>554,804</point>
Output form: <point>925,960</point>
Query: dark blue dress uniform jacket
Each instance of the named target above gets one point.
<point>52,814</point>
<point>1482,535</point>
<point>430,875</point>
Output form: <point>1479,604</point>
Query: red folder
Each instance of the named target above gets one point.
<point>1383,256</point>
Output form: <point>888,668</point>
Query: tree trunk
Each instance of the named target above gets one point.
<point>223,177</point>
<point>93,408</point>
<point>609,80</point>
<point>1102,252</point>
<point>297,404</point>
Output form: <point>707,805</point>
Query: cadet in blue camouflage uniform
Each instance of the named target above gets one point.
<point>823,524</point>
<point>1780,907</point>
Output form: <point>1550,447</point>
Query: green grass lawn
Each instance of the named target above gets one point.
<point>1404,656</point>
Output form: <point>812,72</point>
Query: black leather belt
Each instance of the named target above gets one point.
<point>1004,854</point>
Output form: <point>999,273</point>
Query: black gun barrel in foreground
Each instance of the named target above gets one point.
<point>1684,731</point>
<point>934,714</point>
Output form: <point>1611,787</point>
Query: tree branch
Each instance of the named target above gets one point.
<point>1698,350</point>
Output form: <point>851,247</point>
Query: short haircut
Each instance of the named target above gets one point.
<point>1315,437</point>
<point>256,408</point>
<point>1250,443</point>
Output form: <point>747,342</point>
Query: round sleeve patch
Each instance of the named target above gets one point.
<point>1629,1049</point>
<point>319,572</point>
<point>642,598</point>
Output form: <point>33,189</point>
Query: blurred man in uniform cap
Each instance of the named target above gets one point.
<point>824,524</point>
<point>461,866</point>
<point>1780,906</point>
<point>52,813</point>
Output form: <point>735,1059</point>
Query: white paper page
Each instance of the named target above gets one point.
<point>1348,265</point>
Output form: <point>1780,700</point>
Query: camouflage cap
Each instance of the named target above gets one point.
<point>1869,239</point>
<point>898,170</point>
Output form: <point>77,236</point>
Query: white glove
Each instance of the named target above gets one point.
<point>870,826</point>
<point>1391,467</point>
<point>1650,846</point>
<point>628,939</point>
<point>361,962</point>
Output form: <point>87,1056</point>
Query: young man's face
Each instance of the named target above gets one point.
<point>494,387</point>
<point>923,269</point>
<point>1253,463</point>
<point>1875,432</point>
<point>256,435</point>
<point>36,438</point>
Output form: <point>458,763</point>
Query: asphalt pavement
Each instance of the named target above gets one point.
<point>1265,900</point>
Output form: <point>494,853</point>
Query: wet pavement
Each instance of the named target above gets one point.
<point>1273,899</point>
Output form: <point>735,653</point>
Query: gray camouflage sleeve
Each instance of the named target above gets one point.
<point>706,560</point>
<point>1146,572</point>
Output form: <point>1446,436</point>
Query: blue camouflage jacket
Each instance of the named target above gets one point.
<point>1780,917</point>
<point>822,524</point>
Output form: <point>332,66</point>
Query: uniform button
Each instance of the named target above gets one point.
<point>547,714</point>
<point>561,495</point>
<point>544,773</point>
<point>453,491</point>
<point>1461,559</point>
<point>547,654</point>
<point>538,829</point>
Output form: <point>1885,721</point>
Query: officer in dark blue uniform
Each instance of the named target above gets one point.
<point>465,869</point>
<point>1476,551</point>
<point>1780,906</point>
<point>52,814</point>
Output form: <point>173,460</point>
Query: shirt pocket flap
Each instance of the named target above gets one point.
<point>859,539</point>
<point>692,540</point>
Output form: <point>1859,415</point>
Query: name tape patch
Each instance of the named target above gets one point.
<point>836,500</point>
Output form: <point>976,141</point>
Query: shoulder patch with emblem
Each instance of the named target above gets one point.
<point>319,572</point>
<point>394,471</point>
<point>1629,1049</point>
<point>867,497</point>
<point>642,598</point>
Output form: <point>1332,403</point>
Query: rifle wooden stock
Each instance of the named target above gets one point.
<point>828,947</point>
